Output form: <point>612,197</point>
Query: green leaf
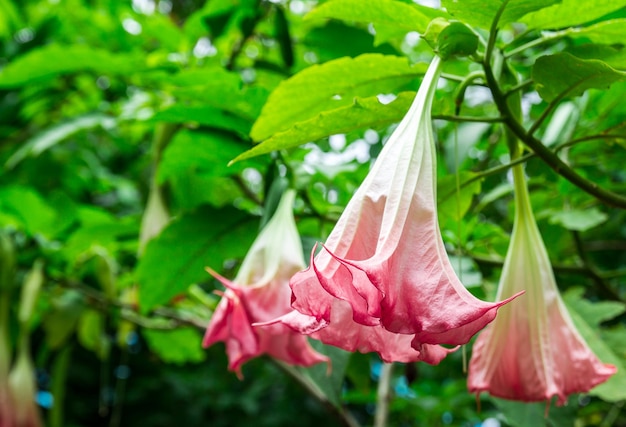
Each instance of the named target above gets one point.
<point>453,204</point>
<point>27,208</point>
<point>179,346</point>
<point>587,317</point>
<point>61,321</point>
<point>568,13</point>
<point>204,115</point>
<point>606,32</point>
<point>323,42</point>
<point>10,19</point>
<point>177,257</point>
<point>330,384</point>
<point>578,219</point>
<point>362,113</point>
<point>613,56</point>
<point>330,86</point>
<point>520,414</point>
<point>91,333</point>
<point>97,228</point>
<point>220,90</point>
<point>565,75</point>
<point>480,13</point>
<point>52,136</point>
<point>54,59</point>
<point>189,190</point>
<point>202,152</point>
<point>391,19</point>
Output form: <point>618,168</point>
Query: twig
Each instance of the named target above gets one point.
<point>163,319</point>
<point>592,271</point>
<point>246,190</point>
<point>345,416</point>
<point>543,152</point>
<point>383,395</point>
<point>457,118</point>
<point>612,415</point>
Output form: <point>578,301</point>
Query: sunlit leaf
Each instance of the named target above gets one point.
<point>568,13</point>
<point>579,219</point>
<point>28,209</point>
<point>330,86</point>
<point>362,113</point>
<point>54,59</point>
<point>391,19</point>
<point>202,152</point>
<point>481,13</point>
<point>605,32</point>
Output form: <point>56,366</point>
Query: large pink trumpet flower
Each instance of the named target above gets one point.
<point>532,351</point>
<point>259,293</point>
<point>382,281</point>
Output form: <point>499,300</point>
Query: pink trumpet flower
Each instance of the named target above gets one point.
<point>383,281</point>
<point>532,351</point>
<point>260,292</point>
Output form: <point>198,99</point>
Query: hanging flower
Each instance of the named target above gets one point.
<point>382,281</point>
<point>22,385</point>
<point>260,292</point>
<point>22,389</point>
<point>532,351</point>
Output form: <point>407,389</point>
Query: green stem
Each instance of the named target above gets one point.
<point>612,415</point>
<point>489,172</point>
<point>535,42</point>
<point>519,86</point>
<point>575,141</point>
<point>383,395</point>
<point>120,390</point>
<point>60,369</point>
<point>457,118</point>
<point>543,152</point>
<point>460,90</point>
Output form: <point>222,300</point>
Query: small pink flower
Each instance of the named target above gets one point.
<point>259,293</point>
<point>383,281</point>
<point>22,389</point>
<point>532,351</point>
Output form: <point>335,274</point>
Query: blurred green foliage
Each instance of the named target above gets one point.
<point>118,120</point>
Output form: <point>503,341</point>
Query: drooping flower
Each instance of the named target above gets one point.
<point>260,292</point>
<point>22,384</point>
<point>382,281</point>
<point>22,389</point>
<point>532,351</point>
